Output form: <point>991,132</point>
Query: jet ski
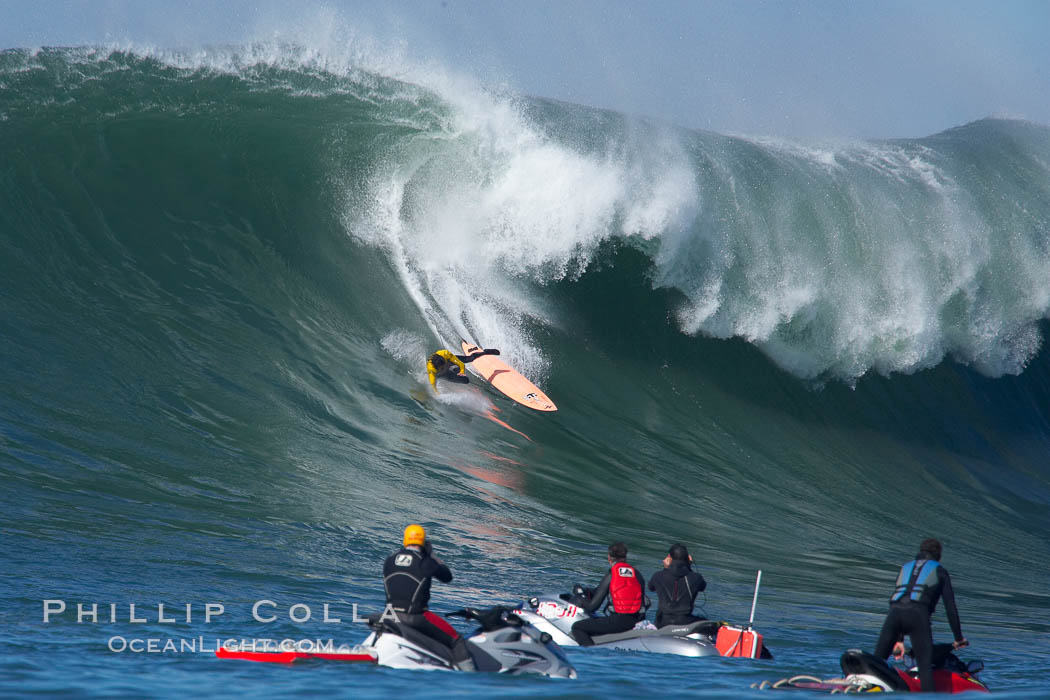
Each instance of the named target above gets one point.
<point>866,673</point>
<point>502,643</point>
<point>555,614</point>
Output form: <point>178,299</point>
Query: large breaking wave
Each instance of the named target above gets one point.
<point>834,259</point>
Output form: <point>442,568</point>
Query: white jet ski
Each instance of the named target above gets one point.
<point>555,614</point>
<point>502,643</point>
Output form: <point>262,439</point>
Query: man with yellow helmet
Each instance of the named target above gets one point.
<point>407,574</point>
<point>445,365</point>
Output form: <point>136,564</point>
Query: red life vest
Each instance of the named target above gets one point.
<point>625,588</point>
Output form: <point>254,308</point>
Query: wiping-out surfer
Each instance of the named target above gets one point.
<point>443,364</point>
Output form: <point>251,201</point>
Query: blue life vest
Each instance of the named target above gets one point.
<point>915,578</point>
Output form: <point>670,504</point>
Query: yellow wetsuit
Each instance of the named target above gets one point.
<point>443,363</point>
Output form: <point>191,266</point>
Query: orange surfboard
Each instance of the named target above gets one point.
<point>500,375</point>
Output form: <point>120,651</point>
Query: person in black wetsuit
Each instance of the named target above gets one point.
<point>624,585</point>
<point>677,586</point>
<point>407,574</point>
<point>920,584</point>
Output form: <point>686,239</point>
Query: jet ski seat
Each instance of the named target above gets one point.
<point>708,627</point>
<point>861,662</point>
<point>619,636</point>
<point>409,634</point>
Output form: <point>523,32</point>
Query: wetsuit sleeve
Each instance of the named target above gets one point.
<point>439,571</point>
<point>652,581</point>
<point>600,592</point>
<point>471,358</point>
<point>701,584</point>
<point>948,595</point>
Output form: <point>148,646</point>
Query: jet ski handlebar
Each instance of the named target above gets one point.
<point>492,618</point>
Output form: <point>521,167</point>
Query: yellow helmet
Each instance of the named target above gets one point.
<point>415,534</point>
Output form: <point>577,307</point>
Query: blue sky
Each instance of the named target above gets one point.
<point>804,69</point>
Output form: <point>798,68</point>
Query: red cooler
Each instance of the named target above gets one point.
<point>738,641</point>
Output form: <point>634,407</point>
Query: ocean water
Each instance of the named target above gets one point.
<point>220,275</point>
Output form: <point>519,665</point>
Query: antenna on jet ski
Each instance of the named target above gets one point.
<point>754,601</point>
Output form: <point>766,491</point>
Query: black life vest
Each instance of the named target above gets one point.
<point>625,589</point>
<point>915,579</point>
<point>407,589</point>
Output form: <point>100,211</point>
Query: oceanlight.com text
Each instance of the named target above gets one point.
<point>202,645</point>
